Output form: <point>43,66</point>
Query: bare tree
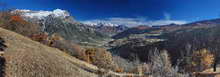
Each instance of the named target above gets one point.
<point>161,65</point>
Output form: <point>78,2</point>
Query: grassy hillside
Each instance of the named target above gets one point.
<point>26,58</point>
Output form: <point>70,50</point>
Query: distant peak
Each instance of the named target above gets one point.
<point>100,24</point>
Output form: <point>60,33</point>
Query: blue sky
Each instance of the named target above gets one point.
<point>140,10</point>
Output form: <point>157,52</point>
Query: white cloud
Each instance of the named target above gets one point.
<point>167,16</point>
<point>166,22</point>
<point>132,22</point>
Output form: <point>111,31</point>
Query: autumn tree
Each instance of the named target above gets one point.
<point>14,22</point>
<point>101,58</point>
<point>201,60</point>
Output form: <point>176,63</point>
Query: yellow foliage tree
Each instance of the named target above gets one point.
<point>101,58</point>
<point>201,60</point>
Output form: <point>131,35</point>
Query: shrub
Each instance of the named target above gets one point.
<point>101,58</point>
<point>90,55</point>
<point>60,43</point>
<point>2,66</point>
<point>119,70</point>
<point>2,45</point>
<point>41,37</point>
<point>126,65</point>
<point>69,47</point>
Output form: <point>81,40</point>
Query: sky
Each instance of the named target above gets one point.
<point>135,12</point>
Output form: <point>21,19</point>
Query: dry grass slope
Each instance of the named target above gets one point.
<point>26,58</point>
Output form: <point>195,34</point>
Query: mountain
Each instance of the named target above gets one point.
<point>178,40</point>
<point>60,22</point>
<point>110,29</point>
<point>210,23</point>
<point>134,30</point>
<point>101,24</point>
<point>76,32</point>
<point>158,29</point>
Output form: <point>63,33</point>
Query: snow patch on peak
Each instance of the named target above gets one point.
<point>100,23</point>
<point>23,10</point>
<point>59,12</point>
<point>133,22</point>
<point>42,14</point>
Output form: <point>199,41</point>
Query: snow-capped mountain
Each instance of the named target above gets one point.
<point>107,28</point>
<point>60,22</point>
<point>110,29</point>
<point>101,24</point>
<point>42,14</point>
<point>57,13</point>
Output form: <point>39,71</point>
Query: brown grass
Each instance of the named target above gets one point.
<point>26,58</point>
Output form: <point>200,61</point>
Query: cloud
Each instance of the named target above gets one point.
<point>166,22</point>
<point>132,22</point>
<point>167,16</point>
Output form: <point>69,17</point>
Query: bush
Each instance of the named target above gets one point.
<point>70,48</point>
<point>2,45</point>
<point>58,42</point>
<point>126,65</point>
<point>101,58</point>
<point>41,37</point>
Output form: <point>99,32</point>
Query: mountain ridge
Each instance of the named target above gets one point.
<point>60,22</point>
